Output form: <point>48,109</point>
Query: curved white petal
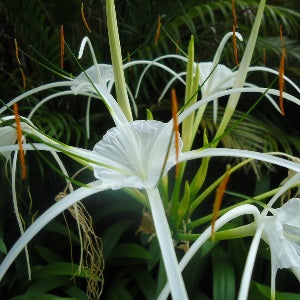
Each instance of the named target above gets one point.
<point>91,74</point>
<point>211,152</point>
<point>8,136</point>
<point>214,80</point>
<point>36,90</point>
<point>138,149</point>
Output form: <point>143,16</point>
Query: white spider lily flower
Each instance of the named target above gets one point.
<point>214,76</point>
<point>139,149</point>
<point>282,232</point>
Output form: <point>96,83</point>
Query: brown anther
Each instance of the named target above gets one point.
<point>233,13</point>
<point>84,19</point>
<point>264,56</point>
<point>17,52</point>
<point>281,72</point>
<point>23,78</point>
<point>177,47</point>
<point>62,46</point>
<point>158,30</point>
<point>235,51</point>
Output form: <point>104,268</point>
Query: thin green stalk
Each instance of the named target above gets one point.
<point>116,57</point>
<point>234,233</point>
<point>256,199</point>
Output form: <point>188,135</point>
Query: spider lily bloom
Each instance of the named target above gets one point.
<point>215,77</point>
<point>282,232</point>
<point>88,83</point>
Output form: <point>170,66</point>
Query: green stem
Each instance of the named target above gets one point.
<point>234,233</point>
<point>258,198</point>
<point>116,57</point>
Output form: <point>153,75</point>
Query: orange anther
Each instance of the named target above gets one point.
<point>218,201</point>
<point>19,137</point>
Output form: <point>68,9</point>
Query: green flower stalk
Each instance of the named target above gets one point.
<point>116,58</point>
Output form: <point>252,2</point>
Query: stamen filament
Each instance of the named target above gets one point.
<point>20,65</point>
<point>23,78</point>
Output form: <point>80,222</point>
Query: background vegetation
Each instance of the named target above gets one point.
<point>132,268</point>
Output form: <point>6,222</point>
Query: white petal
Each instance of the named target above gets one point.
<point>138,149</point>
<point>289,213</point>
<point>91,74</point>
<point>8,136</point>
<point>220,79</point>
<point>285,251</point>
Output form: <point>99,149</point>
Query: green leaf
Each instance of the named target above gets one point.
<point>63,230</point>
<point>3,248</point>
<point>47,255</point>
<point>112,235</point>
<point>146,283</point>
<point>195,270</point>
<point>60,268</point>
<point>41,286</point>
<point>223,276</point>
<point>155,252</point>
<point>265,292</point>
<point>118,292</point>
<point>53,297</point>
<point>130,250</point>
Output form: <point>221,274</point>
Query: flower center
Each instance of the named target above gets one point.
<point>139,148</point>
